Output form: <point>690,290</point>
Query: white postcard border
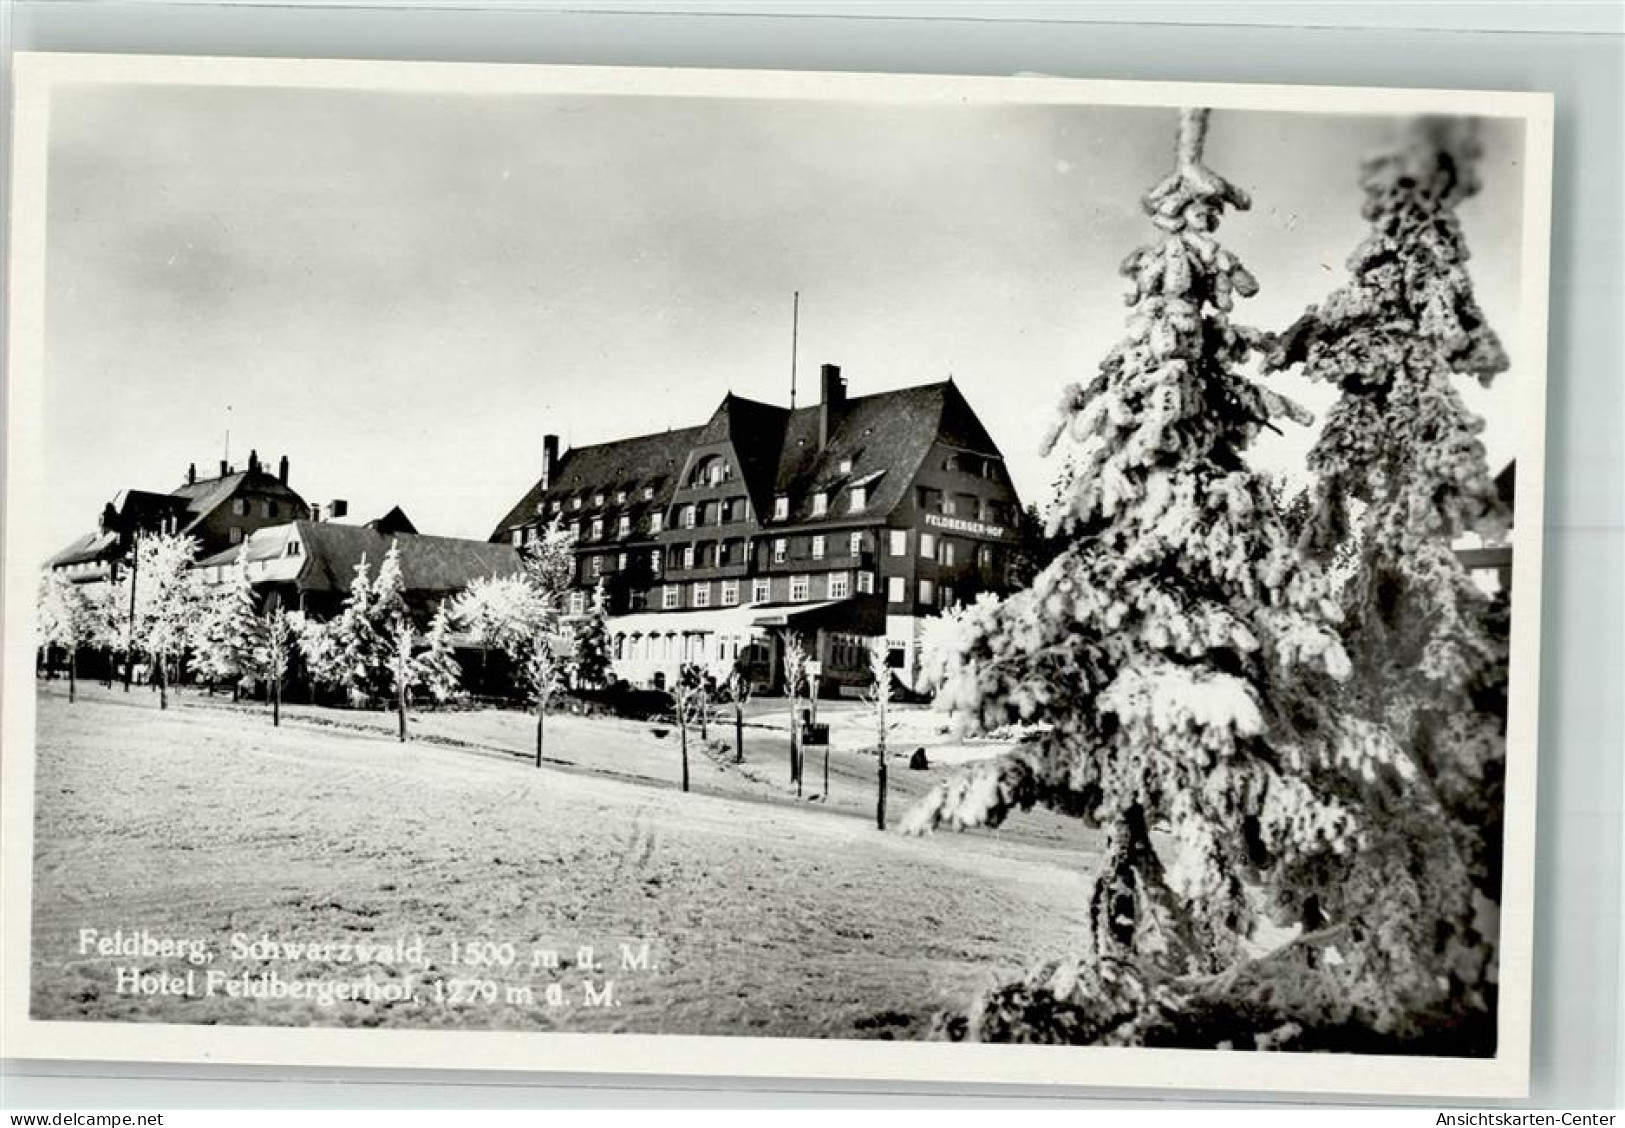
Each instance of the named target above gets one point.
<point>1505,1075</point>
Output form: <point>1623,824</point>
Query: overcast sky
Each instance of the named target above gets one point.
<point>403,292</point>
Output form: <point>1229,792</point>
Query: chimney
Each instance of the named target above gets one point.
<point>282,469</point>
<point>224,469</point>
<point>253,462</point>
<point>338,507</point>
<point>831,402</point>
<point>316,512</point>
<point>550,460</point>
<point>191,473</point>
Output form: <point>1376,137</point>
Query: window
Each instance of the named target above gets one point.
<point>984,556</point>
<point>688,556</point>
<point>597,527</point>
<point>899,542</point>
<point>846,466</point>
<point>895,591</point>
<point>761,590</point>
<point>860,497</point>
<point>949,507</point>
<point>620,562</point>
<point>818,548</point>
<point>730,592</point>
<point>620,497</point>
<point>945,553</point>
<point>669,597</point>
<point>239,506</point>
<point>702,596</point>
<point>654,521</point>
<point>840,585</point>
<point>295,548</point>
<point>928,592</point>
<point>689,516</point>
<point>624,525</point>
<point>866,583</point>
<point>575,502</point>
<point>597,567</point>
<point>854,545</point>
<point>268,508</point>
<point>519,536</point>
<point>800,587</point>
<point>654,561</point>
<point>820,503</point>
<point>598,499</point>
<point>781,508</point>
<point>578,602</point>
<point>930,500</point>
<point>928,546</point>
<point>648,493</point>
<point>781,549</point>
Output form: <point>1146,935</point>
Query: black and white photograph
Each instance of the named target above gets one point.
<point>774,573</point>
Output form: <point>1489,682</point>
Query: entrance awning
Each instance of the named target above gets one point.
<point>862,615</point>
<point>858,615</point>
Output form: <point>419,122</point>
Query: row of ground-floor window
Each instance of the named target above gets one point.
<point>652,656</point>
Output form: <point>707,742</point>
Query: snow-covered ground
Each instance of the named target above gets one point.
<point>765,914</point>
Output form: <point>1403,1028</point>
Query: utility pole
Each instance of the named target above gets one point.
<point>795,330</point>
<point>129,632</point>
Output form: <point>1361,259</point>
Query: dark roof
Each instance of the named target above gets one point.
<point>87,549</point>
<point>887,433</point>
<point>428,564</point>
<point>395,521</point>
<point>886,436</point>
<point>629,464</point>
<point>206,495</point>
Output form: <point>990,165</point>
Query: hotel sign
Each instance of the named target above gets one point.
<point>971,528</point>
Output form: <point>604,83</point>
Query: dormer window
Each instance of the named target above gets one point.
<point>575,502</point>
<point>781,508</point>
<point>860,497</point>
<point>846,466</point>
<point>820,503</point>
<point>648,493</point>
<point>598,499</point>
<point>620,497</point>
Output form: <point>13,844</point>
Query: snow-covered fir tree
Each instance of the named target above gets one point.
<point>438,673</point>
<point>593,659</point>
<point>352,657</point>
<point>226,630</point>
<point>1400,474</point>
<point>1177,657</point>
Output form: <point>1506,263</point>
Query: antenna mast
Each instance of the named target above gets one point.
<point>795,328</point>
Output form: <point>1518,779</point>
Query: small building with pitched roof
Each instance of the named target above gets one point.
<point>217,512</point>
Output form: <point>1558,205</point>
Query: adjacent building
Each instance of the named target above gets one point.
<point>855,518</point>
<point>217,512</point>
<point>309,565</point>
